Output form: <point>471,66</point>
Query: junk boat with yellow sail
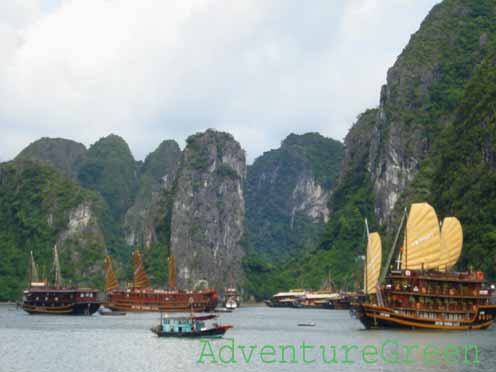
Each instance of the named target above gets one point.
<point>423,291</point>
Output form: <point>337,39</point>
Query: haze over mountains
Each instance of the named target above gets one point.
<point>297,213</point>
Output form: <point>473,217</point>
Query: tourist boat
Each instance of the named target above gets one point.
<point>285,299</point>
<point>343,302</point>
<point>40,298</point>
<point>141,297</point>
<point>231,298</point>
<point>189,326</point>
<point>317,300</point>
<point>421,291</point>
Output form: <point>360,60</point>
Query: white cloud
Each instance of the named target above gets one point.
<point>150,70</point>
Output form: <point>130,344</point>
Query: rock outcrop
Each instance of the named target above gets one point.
<point>156,177</point>
<point>287,194</point>
<point>41,207</point>
<point>423,89</point>
<point>63,154</point>
<point>208,211</point>
<point>109,168</point>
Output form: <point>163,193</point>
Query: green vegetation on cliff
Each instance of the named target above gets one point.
<point>155,179</point>
<point>110,169</point>
<point>287,191</point>
<point>434,119</point>
<point>36,203</point>
<point>337,253</point>
<point>459,177</point>
<point>63,154</point>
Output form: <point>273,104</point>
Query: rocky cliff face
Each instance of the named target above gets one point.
<point>287,194</point>
<point>423,88</point>
<point>110,169</point>
<point>459,175</point>
<point>208,211</point>
<point>156,177</point>
<point>63,154</point>
<point>388,146</point>
<point>40,207</point>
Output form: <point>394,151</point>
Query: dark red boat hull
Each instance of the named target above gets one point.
<point>152,300</point>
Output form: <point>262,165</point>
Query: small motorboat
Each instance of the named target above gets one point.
<point>231,304</point>
<point>306,324</point>
<point>189,326</point>
<point>105,311</point>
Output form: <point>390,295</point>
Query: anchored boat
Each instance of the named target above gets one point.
<point>285,299</point>
<point>141,297</point>
<point>422,291</point>
<point>190,326</point>
<point>40,298</point>
<point>231,298</point>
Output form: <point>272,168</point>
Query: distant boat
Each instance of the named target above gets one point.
<point>307,324</point>
<point>40,298</point>
<point>141,297</point>
<point>422,292</point>
<point>231,304</point>
<point>189,327</point>
<point>285,299</point>
<point>310,299</point>
<point>231,298</point>
<point>318,300</point>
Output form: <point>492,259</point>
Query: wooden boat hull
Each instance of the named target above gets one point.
<point>150,300</point>
<point>212,332</point>
<point>341,304</point>
<point>270,303</point>
<point>372,316</point>
<point>80,308</point>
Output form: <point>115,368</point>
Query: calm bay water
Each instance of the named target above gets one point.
<point>31,343</point>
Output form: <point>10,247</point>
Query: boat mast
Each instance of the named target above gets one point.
<point>367,232</point>
<point>33,274</point>
<point>171,282</point>
<point>406,248</point>
<point>398,261</point>
<point>56,266</point>
<point>393,249</point>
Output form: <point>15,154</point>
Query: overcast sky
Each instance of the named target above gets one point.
<point>152,70</point>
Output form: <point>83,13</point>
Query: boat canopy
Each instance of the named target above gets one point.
<point>451,243</point>
<point>289,294</point>
<point>422,239</point>
<point>374,258</point>
<point>195,318</point>
<point>321,296</point>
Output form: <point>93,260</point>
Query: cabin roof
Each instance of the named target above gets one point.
<point>201,317</point>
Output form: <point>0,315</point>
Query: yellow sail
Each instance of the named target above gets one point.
<point>374,258</point>
<point>451,243</point>
<point>422,243</point>
<point>110,279</point>
<point>172,273</point>
<point>140,278</point>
